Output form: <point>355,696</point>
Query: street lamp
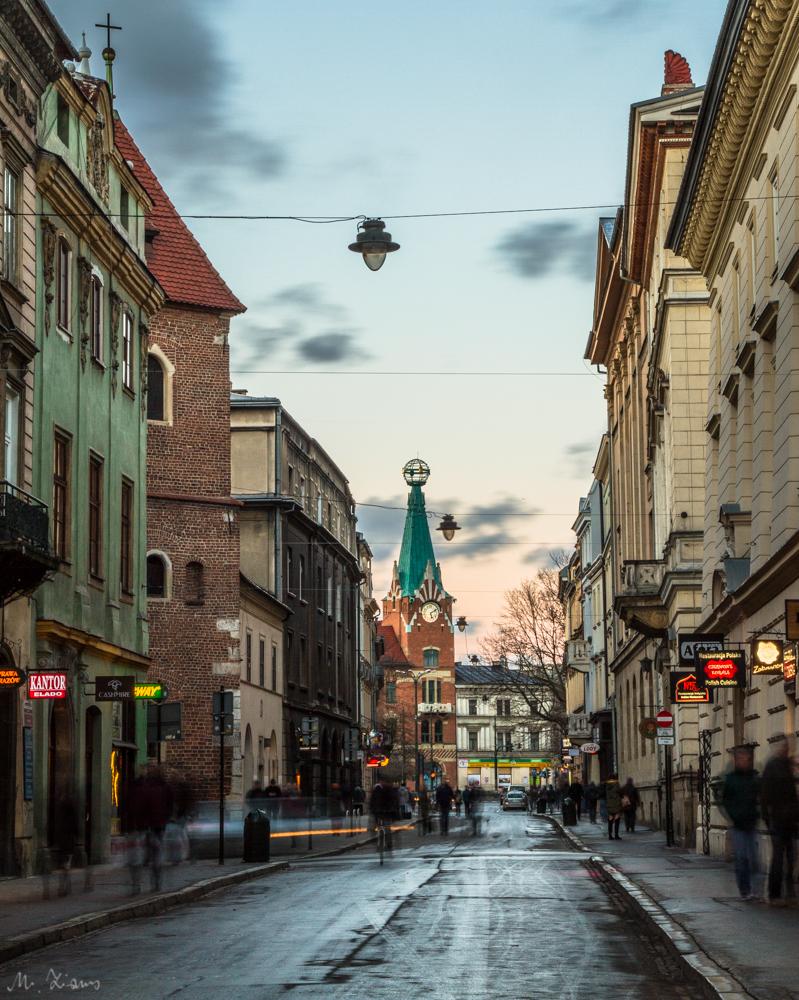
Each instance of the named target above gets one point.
<point>373,243</point>
<point>448,527</point>
<point>415,675</point>
<point>461,623</point>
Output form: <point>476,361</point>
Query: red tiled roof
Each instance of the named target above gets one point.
<point>175,257</point>
<point>393,651</point>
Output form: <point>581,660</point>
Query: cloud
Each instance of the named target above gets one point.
<point>307,298</point>
<point>330,348</point>
<point>579,457</point>
<point>605,13</point>
<point>171,83</point>
<point>542,248</point>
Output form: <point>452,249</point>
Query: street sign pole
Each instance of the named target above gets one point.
<point>669,802</point>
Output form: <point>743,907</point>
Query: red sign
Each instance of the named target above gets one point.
<point>686,689</point>
<point>47,684</point>
<point>723,669</point>
<point>664,719</point>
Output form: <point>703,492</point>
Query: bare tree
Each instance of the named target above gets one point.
<point>397,729</point>
<point>529,639</point>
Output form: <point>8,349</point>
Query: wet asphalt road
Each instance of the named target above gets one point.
<point>512,914</point>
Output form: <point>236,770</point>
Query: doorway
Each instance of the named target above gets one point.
<point>91,769</point>
<point>59,759</point>
<point>9,701</point>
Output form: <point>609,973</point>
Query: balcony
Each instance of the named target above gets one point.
<point>579,727</point>
<point>578,655</point>
<point>435,708</point>
<point>25,560</point>
<point>640,605</point>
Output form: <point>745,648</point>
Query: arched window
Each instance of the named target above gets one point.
<point>155,388</point>
<point>438,731</point>
<point>431,657</point>
<point>156,576</point>
<point>64,284</point>
<point>425,731</point>
<point>195,583</point>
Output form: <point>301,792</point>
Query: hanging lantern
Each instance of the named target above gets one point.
<point>448,527</point>
<point>462,624</point>
<point>373,243</point>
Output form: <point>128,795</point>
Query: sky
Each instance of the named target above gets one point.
<point>466,348</point>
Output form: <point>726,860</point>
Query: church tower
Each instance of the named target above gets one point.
<point>418,629</point>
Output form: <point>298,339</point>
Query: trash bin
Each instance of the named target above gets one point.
<point>257,831</point>
<point>541,806</point>
<point>569,812</point>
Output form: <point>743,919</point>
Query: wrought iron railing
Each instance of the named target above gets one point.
<point>23,518</point>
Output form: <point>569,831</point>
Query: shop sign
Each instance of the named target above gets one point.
<point>463,762</point>
<point>686,689</point>
<point>47,684</point>
<point>792,620</point>
<point>648,728</point>
<point>692,642</point>
<point>27,714</point>
<point>726,669</point>
<point>767,656</point>
<point>10,677</point>
<point>114,688</point>
<point>590,748</point>
<point>789,669</point>
<point>154,692</point>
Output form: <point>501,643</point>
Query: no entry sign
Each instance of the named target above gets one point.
<point>664,719</point>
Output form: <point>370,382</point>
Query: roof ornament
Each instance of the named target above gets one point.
<point>108,53</point>
<point>677,73</point>
<point>85,54</point>
<point>416,472</point>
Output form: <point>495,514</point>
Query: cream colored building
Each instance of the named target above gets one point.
<point>651,332</point>
<point>737,221</point>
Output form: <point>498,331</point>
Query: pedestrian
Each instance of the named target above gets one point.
<point>272,796</point>
<point>476,810</point>
<point>65,829</point>
<point>358,799</point>
<point>613,804</point>
<point>739,800</point>
<point>552,798</point>
<point>630,800</point>
<point>466,797</point>
<point>335,809</point>
<point>781,815</point>
<point>591,799</point>
<point>532,795</point>
<point>425,826</point>
<point>603,805</point>
<point>458,800</point>
<point>156,811</point>
<point>252,796</point>
<point>404,797</point>
<point>575,792</point>
<point>444,797</point>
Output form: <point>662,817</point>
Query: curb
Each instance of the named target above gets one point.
<point>23,944</point>
<point>716,982</point>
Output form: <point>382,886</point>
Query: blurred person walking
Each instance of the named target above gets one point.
<point>458,801</point>
<point>575,793</point>
<point>614,806</point>
<point>358,799</point>
<point>739,800</point>
<point>630,800</point>
<point>425,826</point>
<point>444,797</point>
<point>781,815</point>
<point>272,796</point>
<point>65,828</point>
<point>591,800</point>
<point>466,798</point>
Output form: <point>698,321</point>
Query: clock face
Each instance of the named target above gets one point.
<point>430,611</point>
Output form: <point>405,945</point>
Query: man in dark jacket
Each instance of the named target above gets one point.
<point>444,797</point>
<point>781,814</point>
<point>576,795</point>
<point>739,800</point>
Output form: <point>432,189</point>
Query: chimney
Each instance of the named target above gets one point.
<point>678,74</point>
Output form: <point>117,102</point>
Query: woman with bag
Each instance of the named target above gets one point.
<point>630,800</point>
<point>614,805</point>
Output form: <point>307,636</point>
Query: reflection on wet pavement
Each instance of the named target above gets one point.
<point>510,914</point>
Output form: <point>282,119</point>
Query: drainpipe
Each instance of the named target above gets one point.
<point>278,513</point>
<point>612,701</point>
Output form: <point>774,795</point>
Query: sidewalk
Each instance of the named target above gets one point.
<point>755,943</point>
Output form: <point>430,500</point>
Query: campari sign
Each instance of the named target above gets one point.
<point>47,684</point>
<point>723,669</point>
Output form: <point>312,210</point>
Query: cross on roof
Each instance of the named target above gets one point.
<point>109,28</point>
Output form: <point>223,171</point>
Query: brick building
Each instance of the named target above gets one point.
<point>192,521</point>
<point>419,659</point>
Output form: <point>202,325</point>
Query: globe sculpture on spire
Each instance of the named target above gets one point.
<point>416,472</point>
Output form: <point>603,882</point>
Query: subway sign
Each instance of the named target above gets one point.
<point>47,684</point>
<point>155,692</point>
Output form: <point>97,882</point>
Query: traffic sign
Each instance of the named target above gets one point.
<point>666,731</point>
<point>590,748</point>
<point>665,741</point>
<point>664,719</point>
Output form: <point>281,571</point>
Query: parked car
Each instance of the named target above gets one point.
<point>515,799</point>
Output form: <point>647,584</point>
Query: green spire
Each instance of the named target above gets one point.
<point>416,552</point>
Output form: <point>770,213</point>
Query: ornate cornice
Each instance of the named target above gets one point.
<point>758,38</point>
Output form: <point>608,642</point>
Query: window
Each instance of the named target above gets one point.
<point>11,436</point>
<point>504,740</point>
<point>62,121</point>
<point>330,596</point>
<point>338,602</point>
<point>289,568</point>
<point>535,740</point>
<point>431,657</point>
<point>10,225</point>
<point>124,208</point>
<point>472,706</point>
<point>291,481</point>
<point>262,662</point>
<point>774,192</point>
<point>438,731</point>
<point>248,660</point>
<point>156,576</point>
<point>425,727</point>
<point>319,587</point>
<point>155,388</point>
<point>127,352</point>
<point>751,253</point>
<point>60,496</point>
<point>126,539</point>
<point>472,740</point>
<point>274,667</point>
<point>95,516</point>
<point>431,692</point>
<point>63,285</point>
<point>391,693</point>
<point>96,318</point>
<point>503,706</point>
<point>301,580</point>
<point>195,583</point>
